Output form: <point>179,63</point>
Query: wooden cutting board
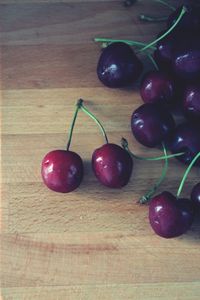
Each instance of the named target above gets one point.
<point>94,243</point>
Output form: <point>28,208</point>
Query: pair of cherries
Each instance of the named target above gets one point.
<point>63,170</point>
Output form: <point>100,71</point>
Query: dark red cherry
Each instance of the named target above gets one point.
<point>186,138</point>
<point>151,124</point>
<point>189,22</point>
<point>112,165</point>
<point>170,217</point>
<point>191,101</point>
<point>186,58</point>
<point>118,66</point>
<point>157,86</point>
<point>195,195</point>
<point>62,171</point>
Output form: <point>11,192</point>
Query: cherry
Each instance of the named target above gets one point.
<point>186,138</point>
<point>157,86</point>
<point>195,195</point>
<point>169,216</point>
<point>112,165</point>
<point>118,66</point>
<point>191,101</point>
<point>62,171</point>
<point>186,58</point>
<point>151,124</point>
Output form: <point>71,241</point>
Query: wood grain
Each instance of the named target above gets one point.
<point>94,243</point>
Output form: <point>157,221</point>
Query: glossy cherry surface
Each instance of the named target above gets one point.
<point>151,124</point>
<point>186,138</point>
<point>112,165</point>
<point>186,58</point>
<point>191,101</point>
<point>118,66</point>
<point>195,195</point>
<point>157,86</point>
<point>170,217</point>
<point>62,171</point>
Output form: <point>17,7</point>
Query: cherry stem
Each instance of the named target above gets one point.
<point>130,43</point>
<point>146,18</point>
<point>166,4</point>
<point>153,61</point>
<point>186,174</point>
<point>147,197</point>
<point>87,112</point>
<point>78,106</point>
<point>124,144</point>
<point>183,11</point>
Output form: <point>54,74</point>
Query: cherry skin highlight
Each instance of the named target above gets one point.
<point>186,58</point>
<point>157,86</point>
<point>151,124</point>
<point>191,102</point>
<point>118,66</point>
<point>62,171</point>
<point>112,165</point>
<point>186,138</point>
<point>195,195</point>
<point>169,216</point>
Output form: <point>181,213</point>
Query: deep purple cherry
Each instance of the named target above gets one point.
<point>195,195</point>
<point>169,216</point>
<point>186,138</point>
<point>112,165</point>
<point>62,170</point>
<point>191,101</point>
<point>186,58</point>
<point>151,124</point>
<point>118,66</point>
<point>157,86</point>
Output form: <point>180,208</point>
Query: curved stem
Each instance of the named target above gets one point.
<point>78,106</point>
<point>130,43</point>
<point>183,11</point>
<point>186,174</point>
<point>85,110</point>
<point>152,191</point>
<point>124,144</point>
<point>152,19</point>
<point>166,4</point>
<point>153,61</point>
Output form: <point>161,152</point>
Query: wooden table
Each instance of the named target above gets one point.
<point>94,243</point>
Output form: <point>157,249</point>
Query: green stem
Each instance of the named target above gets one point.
<point>124,144</point>
<point>87,112</point>
<point>152,19</point>
<point>183,11</point>
<point>152,191</point>
<point>130,43</point>
<point>153,61</point>
<point>186,174</point>
<point>166,4</point>
<point>78,106</point>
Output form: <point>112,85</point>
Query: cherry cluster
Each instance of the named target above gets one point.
<point>174,84</point>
